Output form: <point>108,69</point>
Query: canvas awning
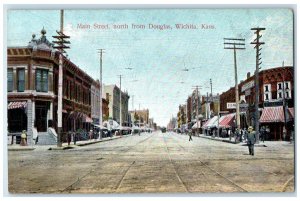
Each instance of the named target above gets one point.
<point>87,119</point>
<point>226,121</point>
<point>16,105</point>
<point>292,112</point>
<point>197,125</point>
<point>212,122</point>
<point>272,115</point>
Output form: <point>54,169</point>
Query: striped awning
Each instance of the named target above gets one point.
<point>15,105</point>
<point>226,121</point>
<point>87,119</point>
<point>292,112</point>
<point>272,114</point>
<point>211,123</point>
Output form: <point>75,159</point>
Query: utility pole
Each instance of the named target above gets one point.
<point>100,51</point>
<point>285,106</point>
<point>211,95</point>
<point>197,106</point>
<point>257,44</point>
<point>60,46</point>
<point>120,100</point>
<point>235,44</point>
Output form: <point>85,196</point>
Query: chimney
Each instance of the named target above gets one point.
<point>248,75</point>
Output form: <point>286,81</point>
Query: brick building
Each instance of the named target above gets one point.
<point>32,86</point>
<point>276,89</point>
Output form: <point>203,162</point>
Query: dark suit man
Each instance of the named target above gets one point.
<point>251,138</point>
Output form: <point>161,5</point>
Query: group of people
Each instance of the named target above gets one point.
<point>249,135</point>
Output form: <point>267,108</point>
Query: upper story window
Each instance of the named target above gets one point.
<point>266,88</point>
<point>41,80</point>
<point>287,85</point>
<point>21,80</point>
<point>266,97</point>
<point>279,86</point>
<point>10,80</point>
<point>279,95</point>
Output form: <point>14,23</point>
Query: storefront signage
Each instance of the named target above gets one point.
<point>247,92</point>
<point>248,85</point>
<point>233,105</point>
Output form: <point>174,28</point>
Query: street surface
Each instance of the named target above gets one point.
<point>153,163</point>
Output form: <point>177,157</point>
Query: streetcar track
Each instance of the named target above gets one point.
<point>123,176</point>
<point>214,171</point>
<point>71,186</point>
<point>177,175</point>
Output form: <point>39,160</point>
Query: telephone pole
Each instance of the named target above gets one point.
<point>197,87</point>
<point>210,81</point>
<point>235,44</point>
<point>60,46</point>
<point>257,44</point>
<point>100,51</point>
<point>120,100</point>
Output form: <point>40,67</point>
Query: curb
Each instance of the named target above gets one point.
<point>20,148</point>
<point>220,140</point>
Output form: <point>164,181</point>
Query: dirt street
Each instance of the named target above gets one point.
<point>150,163</point>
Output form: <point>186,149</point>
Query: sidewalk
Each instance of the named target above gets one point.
<point>220,139</point>
<point>261,144</point>
<point>17,147</point>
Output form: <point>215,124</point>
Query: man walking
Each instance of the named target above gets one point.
<point>190,134</point>
<point>251,138</point>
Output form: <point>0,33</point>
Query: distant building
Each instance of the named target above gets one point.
<point>114,104</point>
<point>195,105</point>
<point>140,116</point>
<point>210,106</point>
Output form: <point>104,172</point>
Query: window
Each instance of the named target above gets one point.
<point>279,86</point>
<point>41,80</point>
<point>266,88</point>
<point>279,96</point>
<point>21,80</point>
<point>10,80</point>
<point>266,96</point>
<point>287,85</point>
<point>287,94</point>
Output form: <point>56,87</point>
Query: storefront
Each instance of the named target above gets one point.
<point>274,120</point>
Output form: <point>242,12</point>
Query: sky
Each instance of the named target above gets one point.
<point>157,57</point>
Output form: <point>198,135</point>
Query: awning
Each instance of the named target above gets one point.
<point>15,105</point>
<point>226,121</point>
<point>272,114</point>
<point>211,123</point>
<point>292,112</point>
<point>87,119</point>
<point>197,125</point>
<point>124,128</point>
<point>101,127</point>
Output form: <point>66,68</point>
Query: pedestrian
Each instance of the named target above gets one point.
<point>91,134</point>
<point>263,134</point>
<point>190,135</point>
<point>237,135</point>
<point>251,138</point>
<point>23,138</point>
